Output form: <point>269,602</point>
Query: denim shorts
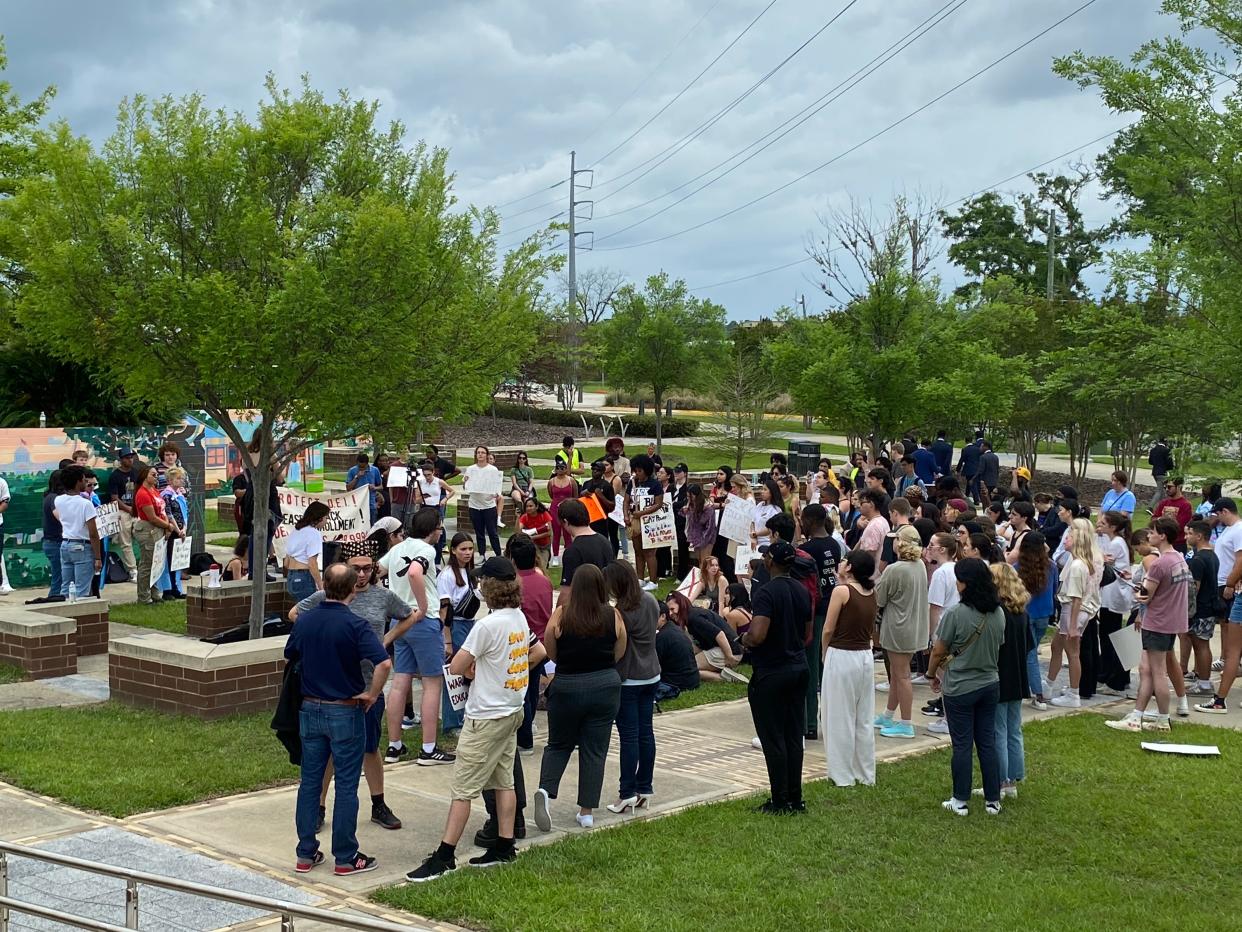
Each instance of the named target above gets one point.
<point>421,651</point>
<point>373,723</point>
<point>1156,640</point>
<point>1235,610</point>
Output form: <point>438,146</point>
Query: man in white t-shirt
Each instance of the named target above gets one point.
<point>1228,547</point>
<point>80,558</point>
<point>495,658</point>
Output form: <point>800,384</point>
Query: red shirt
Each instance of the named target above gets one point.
<point>145,497</point>
<point>540,526</point>
<point>1184,514</point>
<point>536,600</point>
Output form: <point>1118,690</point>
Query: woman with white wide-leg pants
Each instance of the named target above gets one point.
<point>847,697</point>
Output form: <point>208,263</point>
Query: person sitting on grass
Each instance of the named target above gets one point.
<point>495,660</point>
<point>678,670</point>
<point>717,651</point>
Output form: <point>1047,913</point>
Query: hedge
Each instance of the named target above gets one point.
<point>638,426</point>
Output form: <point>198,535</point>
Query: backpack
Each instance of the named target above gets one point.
<point>115,568</point>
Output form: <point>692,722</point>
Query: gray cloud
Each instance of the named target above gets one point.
<point>510,86</point>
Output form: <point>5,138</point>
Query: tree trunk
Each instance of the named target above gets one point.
<point>260,486</point>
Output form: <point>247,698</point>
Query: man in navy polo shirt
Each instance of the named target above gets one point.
<point>331,642</point>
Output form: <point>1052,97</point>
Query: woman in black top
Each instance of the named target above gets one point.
<point>52,534</point>
<point>777,692</point>
<point>585,637</point>
<point>675,651</point>
<point>717,650</point>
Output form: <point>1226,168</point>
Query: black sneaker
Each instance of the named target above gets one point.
<point>323,814</point>
<point>798,808</point>
<point>933,709</point>
<point>396,754</point>
<point>487,836</point>
<point>433,867</point>
<point>812,734</point>
<point>382,815</point>
<point>361,864</point>
<point>435,756</point>
<point>493,856</point>
<point>771,808</point>
<point>1215,707</point>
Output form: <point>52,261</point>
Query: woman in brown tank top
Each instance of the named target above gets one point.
<point>847,698</point>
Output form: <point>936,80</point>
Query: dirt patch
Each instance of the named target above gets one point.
<point>1090,491</point>
<point>501,433</point>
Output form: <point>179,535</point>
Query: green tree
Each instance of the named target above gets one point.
<point>742,388</point>
<point>662,338</point>
<point>305,265</point>
<point>1176,173</point>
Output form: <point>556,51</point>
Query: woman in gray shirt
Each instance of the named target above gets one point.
<point>901,595</point>
<point>639,668</point>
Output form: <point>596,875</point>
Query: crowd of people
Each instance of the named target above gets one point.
<point>928,567</point>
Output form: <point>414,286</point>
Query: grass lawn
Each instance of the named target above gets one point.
<point>118,761</point>
<point>163,616</point>
<point>1104,835</point>
<point>709,692</point>
<point>11,674</point>
<point>214,524</point>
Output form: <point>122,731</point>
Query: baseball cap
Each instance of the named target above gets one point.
<point>497,568</point>
<point>1225,504</point>
<point>388,525</point>
<point>124,452</point>
<point>1024,473</point>
<point>782,553</point>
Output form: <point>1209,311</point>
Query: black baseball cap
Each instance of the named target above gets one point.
<point>497,568</point>
<point>1225,504</point>
<point>782,553</point>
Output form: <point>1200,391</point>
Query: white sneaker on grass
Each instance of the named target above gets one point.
<point>955,806</point>
<point>1131,721</point>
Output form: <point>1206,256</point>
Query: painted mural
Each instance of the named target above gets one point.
<point>29,455</point>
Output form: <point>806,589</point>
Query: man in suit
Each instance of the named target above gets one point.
<point>969,465</point>
<point>943,451</point>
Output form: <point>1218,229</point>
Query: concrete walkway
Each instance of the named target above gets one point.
<point>704,755</point>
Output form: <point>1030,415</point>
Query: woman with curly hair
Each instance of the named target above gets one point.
<point>902,594</point>
<point>1011,667</point>
<point>1040,577</point>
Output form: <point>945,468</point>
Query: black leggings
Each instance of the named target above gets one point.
<point>484,521</point>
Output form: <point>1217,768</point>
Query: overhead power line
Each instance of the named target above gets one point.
<point>526,197</point>
<point>992,187</point>
<point>789,125</point>
<point>669,151</point>
<point>820,167</point>
<point>676,97</point>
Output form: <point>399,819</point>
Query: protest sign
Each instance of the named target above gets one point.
<point>737,519</point>
<point>486,480</point>
<point>349,515</point>
<point>595,511</point>
<point>458,689</point>
<point>658,528</point>
<point>108,519</point>
<point>180,554</point>
<point>158,561</point>
<point>398,477</point>
<point>742,561</point>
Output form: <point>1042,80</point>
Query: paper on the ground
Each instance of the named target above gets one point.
<point>398,477</point>
<point>1194,750</point>
<point>180,554</point>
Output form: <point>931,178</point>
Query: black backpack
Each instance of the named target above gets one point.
<point>116,571</point>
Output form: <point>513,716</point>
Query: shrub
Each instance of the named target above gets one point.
<point>639,426</point>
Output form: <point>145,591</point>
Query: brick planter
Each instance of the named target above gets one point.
<point>91,617</point>
<point>213,611</point>
<point>42,645</point>
<point>184,677</point>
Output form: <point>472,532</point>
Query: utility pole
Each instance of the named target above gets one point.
<point>802,301</point>
<point>574,172</point>
<point>1052,234</point>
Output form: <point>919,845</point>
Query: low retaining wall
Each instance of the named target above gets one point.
<point>91,618</point>
<point>184,677</point>
<point>43,645</point>
<point>213,611</point>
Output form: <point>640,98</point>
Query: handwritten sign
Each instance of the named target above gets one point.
<point>458,689</point>
<point>737,519</point>
<point>349,515</point>
<point>658,529</point>
<point>398,477</point>
<point>180,554</point>
<point>483,480</point>
<point>108,519</point>
<point>158,562</point>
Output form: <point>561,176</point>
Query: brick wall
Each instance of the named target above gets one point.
<point>212,611</point>
<point>463,517</point>
<point>91,617</point>
<point>178,676</point>
<point>42,646</point>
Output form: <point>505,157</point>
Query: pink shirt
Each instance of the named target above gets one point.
<point>1168,611</point>
<point>872,539</point>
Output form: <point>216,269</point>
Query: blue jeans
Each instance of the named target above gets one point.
<point>1010,755</point>
<point>337,732</point>
<point>300,584</point>
<point>637,739</point>
<point>450,718</point>
<point>77,566</point>
<point>1033,673</point>
<point>51,550</point>
<point>972,724</point>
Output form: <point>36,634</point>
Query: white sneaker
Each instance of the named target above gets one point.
<point>1067,701</point>
<point>1131,721</point>
<point>1109,691</point>
<point>1038,705</point>
<point>543,815</point>
<point>919,680</point>
<point>6,589</point>
<point>555,561</point>
<point>499,523</point>
<point>649,586</point>
<point>882,686</point>
<point>1183,707</point>
<point>584,821</point>
<point>1218,665</point>
<point>756,743</point>
<point>955,806</point>
<point>938,727</point>
<point>733,676</point>
<point>1010,791</point>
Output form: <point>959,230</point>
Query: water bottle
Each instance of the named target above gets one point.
<point>73,591</point>
<point>213,576</point>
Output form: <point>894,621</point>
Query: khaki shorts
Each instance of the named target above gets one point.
<point>485,753</point>
<point>715,656</point>
<point>1072,627</point>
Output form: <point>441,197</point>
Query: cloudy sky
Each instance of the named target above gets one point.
<point>511,86</point>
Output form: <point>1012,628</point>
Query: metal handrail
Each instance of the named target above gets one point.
<point>288,911</point>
